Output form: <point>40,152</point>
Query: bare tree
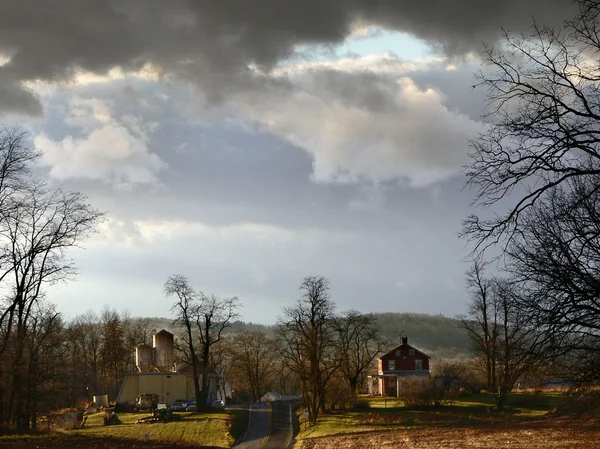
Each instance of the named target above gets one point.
<point>255,355</point>
<point>542,151</point>
<point>523,348</point>
<point>308,342</point>
<point>136,331</point>
<point>15,158</point>
<point>359,344</point>
<point>504,337</point>
<point>45,358</point>
<point>556,259</point>
<point>184,308</point>
<point>212,316</point>
<point>483,322</point>
<point>543,115</point>
<point>224,363</point>
<point>204,318</point>
<point>37,227</point>
<point>85,340</point>
<point>113,351</point>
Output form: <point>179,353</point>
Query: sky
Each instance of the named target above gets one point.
<point>247,145</point>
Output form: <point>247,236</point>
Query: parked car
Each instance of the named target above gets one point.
<point>179,405</point>
<point>146,402</point>
<point>191,407</point>
<point>218,404</point>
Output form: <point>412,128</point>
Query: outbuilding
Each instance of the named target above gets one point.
<point>157,374</point>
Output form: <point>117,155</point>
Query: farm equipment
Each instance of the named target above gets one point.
<point>110,417</point>
<point>161,414</point>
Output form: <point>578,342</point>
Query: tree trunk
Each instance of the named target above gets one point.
<point>354,388</point>
<point>205,378</point>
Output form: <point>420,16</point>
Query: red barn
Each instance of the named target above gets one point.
<point>401,362</point>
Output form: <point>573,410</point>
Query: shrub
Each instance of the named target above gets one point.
<point>415,392</point>
<point>582,401</point>
<point>338,395</point>
<point>528,401</point>
<point>382,419</point>
<point>434,392</point>
<point>362,404</point>
<point>465,374</point>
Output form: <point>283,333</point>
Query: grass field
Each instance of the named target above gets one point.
<point>467,412</point>
<point>218,429</point>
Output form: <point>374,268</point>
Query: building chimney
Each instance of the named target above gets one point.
<point>400,335</point>
<point>404,340</point>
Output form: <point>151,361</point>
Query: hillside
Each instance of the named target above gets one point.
<point>437,335</point>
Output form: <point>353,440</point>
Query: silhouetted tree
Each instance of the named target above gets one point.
<point>542,153</point>
<point>203,318</point>
<point>308,342</point>
<point>504,337</point>
<point>556,260</point>
<point>359,344</point>
<point>543,115</point>
<point>483,321</point>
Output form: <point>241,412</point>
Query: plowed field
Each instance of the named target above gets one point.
<point>548,434</point>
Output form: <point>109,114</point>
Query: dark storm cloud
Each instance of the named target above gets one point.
<point>16,99</point>
<point>212,43</point>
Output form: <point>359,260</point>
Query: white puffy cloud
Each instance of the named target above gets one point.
<point>109,149</point>
<point>366,121</point>
<point>375,63</point>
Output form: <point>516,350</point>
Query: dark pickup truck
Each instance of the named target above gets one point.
<point>146,402</point>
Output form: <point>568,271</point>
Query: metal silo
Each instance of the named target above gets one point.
<point>143,357</point>
<point>163,350</point>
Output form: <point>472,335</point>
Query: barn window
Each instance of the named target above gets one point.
<point>411,352</point>
<point>398,352</point>
<point>391,365</point>
<point>418,364</point>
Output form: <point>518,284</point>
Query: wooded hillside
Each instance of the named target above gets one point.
<point>437,335</point>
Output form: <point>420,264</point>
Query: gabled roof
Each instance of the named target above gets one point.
<point>404,346</point>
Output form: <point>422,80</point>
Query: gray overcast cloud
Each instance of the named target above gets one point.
<point>212,43</point>
<point>225,147</point>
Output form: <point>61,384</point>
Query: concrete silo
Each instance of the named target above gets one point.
<point>143,357</point>
<point>163,350</point>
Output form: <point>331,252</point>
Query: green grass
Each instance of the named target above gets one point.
<point>390,413</point>
<point>220,429</point>
<point>20,436</point>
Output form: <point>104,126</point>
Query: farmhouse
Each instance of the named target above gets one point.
<point>400,363</point>
<point>157,374</point>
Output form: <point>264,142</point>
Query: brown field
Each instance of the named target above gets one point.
<point>85,442</point>
<point>540,434</point>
